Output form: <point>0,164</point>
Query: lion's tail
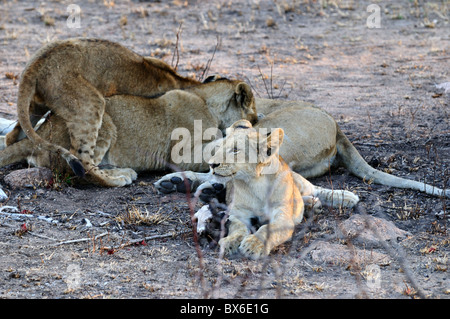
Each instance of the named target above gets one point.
<point>351,159</point>
<point>27,90</point>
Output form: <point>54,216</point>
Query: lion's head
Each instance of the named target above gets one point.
<point>247,152</point>
<point>232,100</point>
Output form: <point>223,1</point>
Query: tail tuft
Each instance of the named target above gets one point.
<point>77,168</point>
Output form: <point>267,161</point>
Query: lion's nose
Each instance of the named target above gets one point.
<point>213,165</point>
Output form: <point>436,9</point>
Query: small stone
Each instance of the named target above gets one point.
<point>338,254</point>
<point>270,22</point>
<point>29,177</point>
<point>356,228</point>
<point>3,195</point>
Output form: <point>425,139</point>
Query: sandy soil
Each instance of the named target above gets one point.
<point>378,83</point>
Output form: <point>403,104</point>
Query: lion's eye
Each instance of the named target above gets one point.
<point>235,150</point>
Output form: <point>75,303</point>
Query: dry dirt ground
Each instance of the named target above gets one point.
<point>378,83</point>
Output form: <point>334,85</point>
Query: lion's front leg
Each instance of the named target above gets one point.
<point>236,233</point>
<point>253,247</point>
<point>268,236</point>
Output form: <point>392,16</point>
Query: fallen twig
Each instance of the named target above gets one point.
<point>208,64</point>
<point>41,236</point>
<point>79,240</point>
<point>135,241</point>
<point>176,52</point>
<point>19,216</point>
<point>2,224</point>
<point>129,243</point>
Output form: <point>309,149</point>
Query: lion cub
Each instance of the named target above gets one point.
<point>265,191</point>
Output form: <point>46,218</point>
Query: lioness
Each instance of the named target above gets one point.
<point>313,143</point>
<point>72,78</point>
<point>135,134</point>
<point>265,189</point>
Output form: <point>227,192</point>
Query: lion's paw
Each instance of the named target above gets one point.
<point>230,245</point>
<point>116,177</point>
<point>127,173</point>
<point>252,247</point>
<point>312,205</point>
<point>112,181</point>
<point>120,176</point>
<point>349,199</point>
<point>132,173</point>
<point>207,191</point>
<point>174,182</point>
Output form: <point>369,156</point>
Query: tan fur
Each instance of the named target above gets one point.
<point>313,143</point>
<point>135,134</point>
<point>264,188</point>
<point>72,78</point>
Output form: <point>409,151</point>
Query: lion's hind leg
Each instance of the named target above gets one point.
<point>312,204</point>
<point>16,152</point>
<point>37,111</point>
<point>107,136</point>
<point>327,197</point>
<point>336,198</point>
<point>82,109</point>
<point>12,136</point>
<point>106,139</point>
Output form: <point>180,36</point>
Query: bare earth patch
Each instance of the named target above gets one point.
<point>82,241</point>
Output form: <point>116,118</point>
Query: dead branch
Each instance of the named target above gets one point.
<point>177,51</point>
<point>19,217</point>
<point>41,236</point>
<point>264,82</point>
<point>80,240</point>
<point>208,64</point>
<point>135,241</point>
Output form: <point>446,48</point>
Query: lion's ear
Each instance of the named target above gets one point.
<point>211,78</point>
<point>271,145</point>
<point>244,96</point>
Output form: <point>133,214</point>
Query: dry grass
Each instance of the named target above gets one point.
<point>135,216</point>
